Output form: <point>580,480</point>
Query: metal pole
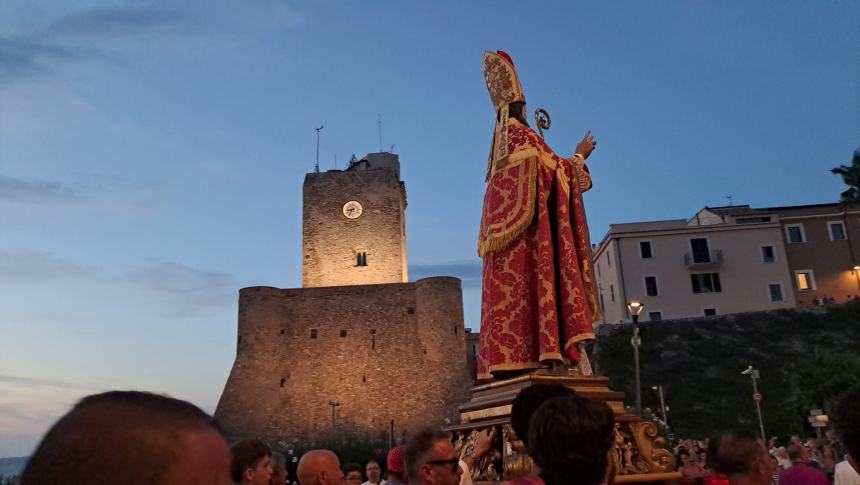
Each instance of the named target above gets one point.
<point>317,166</point>
<point>755,375</point>
<point>663,406</point>
<point>391,435</point>
<point>636,341</point>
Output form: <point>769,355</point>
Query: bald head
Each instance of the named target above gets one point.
<point>319,467</point>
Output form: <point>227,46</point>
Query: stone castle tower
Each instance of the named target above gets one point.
<point>358,346</point>
<point>354,224</point>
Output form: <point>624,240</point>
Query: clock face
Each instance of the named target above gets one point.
<point>352,209</point>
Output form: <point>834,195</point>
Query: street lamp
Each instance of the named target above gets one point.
<point>635,308</point>
<point>333,405</point>
<point>754,375</point>
<point>663,407</point>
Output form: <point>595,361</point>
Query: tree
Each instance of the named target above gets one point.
<point>851,176</point>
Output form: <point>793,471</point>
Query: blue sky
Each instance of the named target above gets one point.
<point>152,153</point>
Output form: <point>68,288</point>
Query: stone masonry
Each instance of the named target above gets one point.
<point>382,348</point>
<point>331,241</point>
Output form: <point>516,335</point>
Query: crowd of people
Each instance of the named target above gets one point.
<point>129,437</point>
<point>812,461</point>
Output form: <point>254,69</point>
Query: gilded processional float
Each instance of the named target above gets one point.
<point>539,299</point>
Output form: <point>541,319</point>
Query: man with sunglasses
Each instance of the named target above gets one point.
<point>431,459</point>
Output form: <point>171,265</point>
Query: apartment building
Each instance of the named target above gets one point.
<point>722,260</point>
<point>820,242</point>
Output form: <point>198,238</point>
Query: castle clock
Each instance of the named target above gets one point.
<point>352,209</point>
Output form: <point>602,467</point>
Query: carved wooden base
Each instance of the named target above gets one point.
<point>639,453</point>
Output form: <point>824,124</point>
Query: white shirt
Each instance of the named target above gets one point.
<point>381,482</point>
<point>845,474</point>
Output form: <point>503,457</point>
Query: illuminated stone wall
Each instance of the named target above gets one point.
<point>393,351</point>
<point>331,241</point>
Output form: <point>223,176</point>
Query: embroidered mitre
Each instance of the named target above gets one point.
<point>504,87</point>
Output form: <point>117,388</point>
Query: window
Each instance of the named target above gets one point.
<point>361,259</point>
<point>283,381</point>
<point>651,286</point>
<point>767,254</point>
<point>775,290</point>
<point>342,332</point>
<point>313,334</point>
<point>410,310</point>
<point>602,305</point>
<point>836,230</point>
<point>805,279</point>
<point>700,249</point>
<point>645,249</point>
<point>608,260</point>
<point>706,283</point>
<point>654,316</point>
<point>598,270</point>
<point>794,233</point>
<point>752,220</point>
<point>710,312</point>
<point>611,292</point>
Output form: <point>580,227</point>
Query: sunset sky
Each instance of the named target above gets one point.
<point>152,153</point>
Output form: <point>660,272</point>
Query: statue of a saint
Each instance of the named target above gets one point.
<point>539,301</point>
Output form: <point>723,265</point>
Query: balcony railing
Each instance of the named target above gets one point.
<point>710,259</point>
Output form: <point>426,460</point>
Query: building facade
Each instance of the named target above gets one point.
<point>358,351</point>
<point>720,261</point>
<point>731,259</point>
<point>821,244</point>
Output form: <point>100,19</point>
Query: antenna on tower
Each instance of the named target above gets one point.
<point>729,197</point>
<point>335,161</point>
<point>317,165</point>
<point>379,123</point>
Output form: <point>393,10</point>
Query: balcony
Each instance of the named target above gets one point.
<point>703,260</point>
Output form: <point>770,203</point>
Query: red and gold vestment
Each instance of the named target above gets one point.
<point>538,300</point>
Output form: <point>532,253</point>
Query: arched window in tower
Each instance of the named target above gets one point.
<point>361,259</point>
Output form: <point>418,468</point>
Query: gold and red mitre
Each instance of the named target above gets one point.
<point>504,87</point>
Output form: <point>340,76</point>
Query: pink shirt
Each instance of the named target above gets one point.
<point>800,474</point>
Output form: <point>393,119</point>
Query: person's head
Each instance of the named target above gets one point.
<point>571,436</point>
<point>846,420</point>
<point>774,463</point>
<point>395,465</point>
<point>772,442</point>
<point>373,471</point>
<point>795,439</point>
<point>782,452</point>
<point>527,402</point>
<point>352,474</point>
<point>739,454</point>
<point>684,457</point>
<point>798,454</point>
<point>131,437</point>
<point>517,110</point>
<point>251,462</point>
<point>703,457</point>
<point>812,444</point>
<point>319,467</point>
<point>430,458</point>
<point>279,469</point>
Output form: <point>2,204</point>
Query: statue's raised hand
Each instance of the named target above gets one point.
<point>586,145</point>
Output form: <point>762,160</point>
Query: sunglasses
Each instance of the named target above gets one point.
<point>452,463</point>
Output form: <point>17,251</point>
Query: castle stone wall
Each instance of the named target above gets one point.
<point>331,241</point>
<point>383,352</point>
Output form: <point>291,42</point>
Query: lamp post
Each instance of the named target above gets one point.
<point>663,407</point>
<point>333,404</point>
<point>754,375</point>
<point>635,308</point>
